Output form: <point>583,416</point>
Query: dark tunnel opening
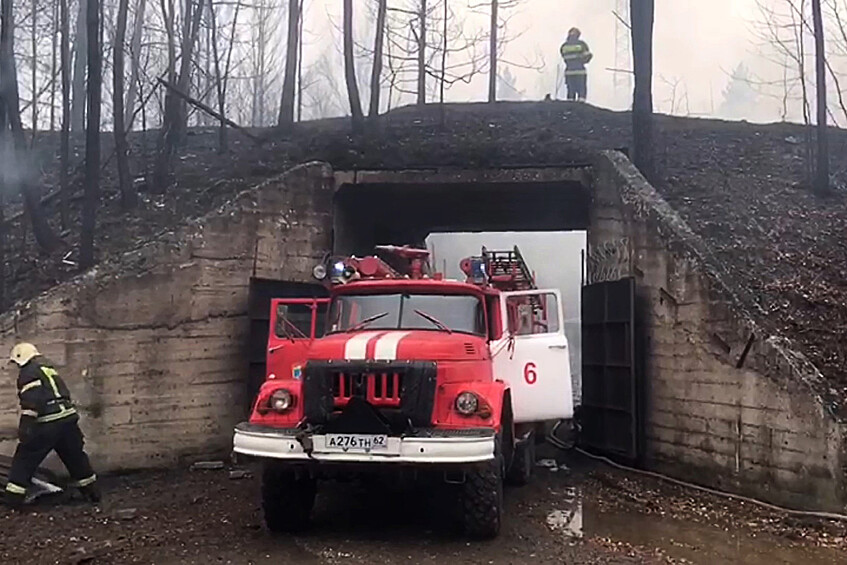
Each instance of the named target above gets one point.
<point>370,214</point>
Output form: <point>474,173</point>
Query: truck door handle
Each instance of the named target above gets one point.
<point>557,346</point>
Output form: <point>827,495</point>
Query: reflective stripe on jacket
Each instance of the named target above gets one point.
<point>576,55</point>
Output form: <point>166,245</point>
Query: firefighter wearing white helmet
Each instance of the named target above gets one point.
<point>49,421</point>
<point>576,55</point>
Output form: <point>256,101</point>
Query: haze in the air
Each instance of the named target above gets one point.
<point>698,45</point>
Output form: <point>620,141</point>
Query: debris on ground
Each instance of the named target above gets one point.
<point>237,474</point>
<point>207,466</point>
<point>548,464</point>
<point>127,514</point>
<point>593,515</point>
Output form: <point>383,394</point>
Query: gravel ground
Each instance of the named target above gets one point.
<point>583,513</point>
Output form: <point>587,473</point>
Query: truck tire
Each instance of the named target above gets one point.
<point>482,498</point>
<point>523,463</point>
<point>287,499</point>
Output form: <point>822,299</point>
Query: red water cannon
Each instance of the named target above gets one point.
<point>416,257</point>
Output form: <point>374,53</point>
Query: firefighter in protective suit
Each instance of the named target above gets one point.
<point>48,422</point>
<point>576,55</point>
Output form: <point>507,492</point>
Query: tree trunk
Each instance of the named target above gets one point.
<point>300,66</point>
<point>34,68</point>
<point>222,133</point>
<point>5,153</point>
<point>286,105</point>
<point>642,14</point>
<point>135,61</point>
<point>64,150</point>
<point>20,173</point>
<point>128,199</point>
<point>422,54</point>
<point>822,167</point>
<point>376,71</point>
<point>80,50</point>
<point>54,65</point>
<point>92,138</point>
<point>174,120</point>
<point>492,75</point>
<point>350,68</point>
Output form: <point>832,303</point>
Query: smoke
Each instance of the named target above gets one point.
<point>15,168</point>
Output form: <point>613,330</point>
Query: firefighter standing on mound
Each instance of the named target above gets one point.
<point>576,55</point>
<point>48,422</point>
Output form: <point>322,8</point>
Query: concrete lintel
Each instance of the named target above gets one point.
<point>574,173</point>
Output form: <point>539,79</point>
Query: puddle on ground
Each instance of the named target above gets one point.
<point>569,520</point>
<point>680,539</point>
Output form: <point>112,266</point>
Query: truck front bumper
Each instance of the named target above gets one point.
<point>426,447</point>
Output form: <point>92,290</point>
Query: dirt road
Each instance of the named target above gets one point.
<point>582,514</point>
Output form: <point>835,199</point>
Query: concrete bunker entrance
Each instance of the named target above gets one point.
<point>406,207</point>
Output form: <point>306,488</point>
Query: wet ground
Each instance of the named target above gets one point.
<point>576,511</point>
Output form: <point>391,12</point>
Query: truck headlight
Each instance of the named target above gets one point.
<point>281,400</point>
<point>467,403</point>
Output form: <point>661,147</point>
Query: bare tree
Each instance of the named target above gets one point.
<point>286,107</point>
<point>80,50</point>
<point>19,173</point>
<point>64,149</point>
<point>421,37</point>
<point>135,63</point>
<point>92,137</point>
<point>128,197</point>
<point>350,67</point>
<point>642,14</point>
<point>376,71</point>
<point>822,169</point>
<point>221,77</point>
<point>34,67</point>
<point>493,50</point>
<point>175,117</point>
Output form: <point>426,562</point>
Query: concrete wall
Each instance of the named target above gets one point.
<point>153,345</point>
<point>763,429</point>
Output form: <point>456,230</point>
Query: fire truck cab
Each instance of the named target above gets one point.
<point>401,369</point>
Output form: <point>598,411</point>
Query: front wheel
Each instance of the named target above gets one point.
<point>482,498</point>
<point>523,463</point>
<point>287,499</point>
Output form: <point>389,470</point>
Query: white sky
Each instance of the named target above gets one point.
<point>697,43</point>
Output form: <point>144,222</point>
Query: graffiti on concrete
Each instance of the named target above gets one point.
<point>608,261</point>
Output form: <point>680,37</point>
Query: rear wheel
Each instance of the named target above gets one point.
<point>482,498</point>
<point>287,499</point>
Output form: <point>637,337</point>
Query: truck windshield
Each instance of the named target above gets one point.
<point>440,312</point>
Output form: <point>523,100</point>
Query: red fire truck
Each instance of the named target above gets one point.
<point>402,369</point>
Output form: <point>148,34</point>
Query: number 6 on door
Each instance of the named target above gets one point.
<point>529,373</point>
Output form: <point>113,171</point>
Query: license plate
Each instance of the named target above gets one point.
<point>356,442</point>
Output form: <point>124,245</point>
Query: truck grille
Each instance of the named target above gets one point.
<point>328,386</point>
<point>380,389</point>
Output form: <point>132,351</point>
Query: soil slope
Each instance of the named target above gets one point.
<point>739,186</point>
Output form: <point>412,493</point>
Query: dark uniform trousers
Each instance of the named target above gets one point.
<point>577,86</point>
<point>66,438</point>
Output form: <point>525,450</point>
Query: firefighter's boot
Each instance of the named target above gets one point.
<point>91,493</point>
<point>13,500</point>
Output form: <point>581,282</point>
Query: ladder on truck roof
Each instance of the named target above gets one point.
<point>507,270</point>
